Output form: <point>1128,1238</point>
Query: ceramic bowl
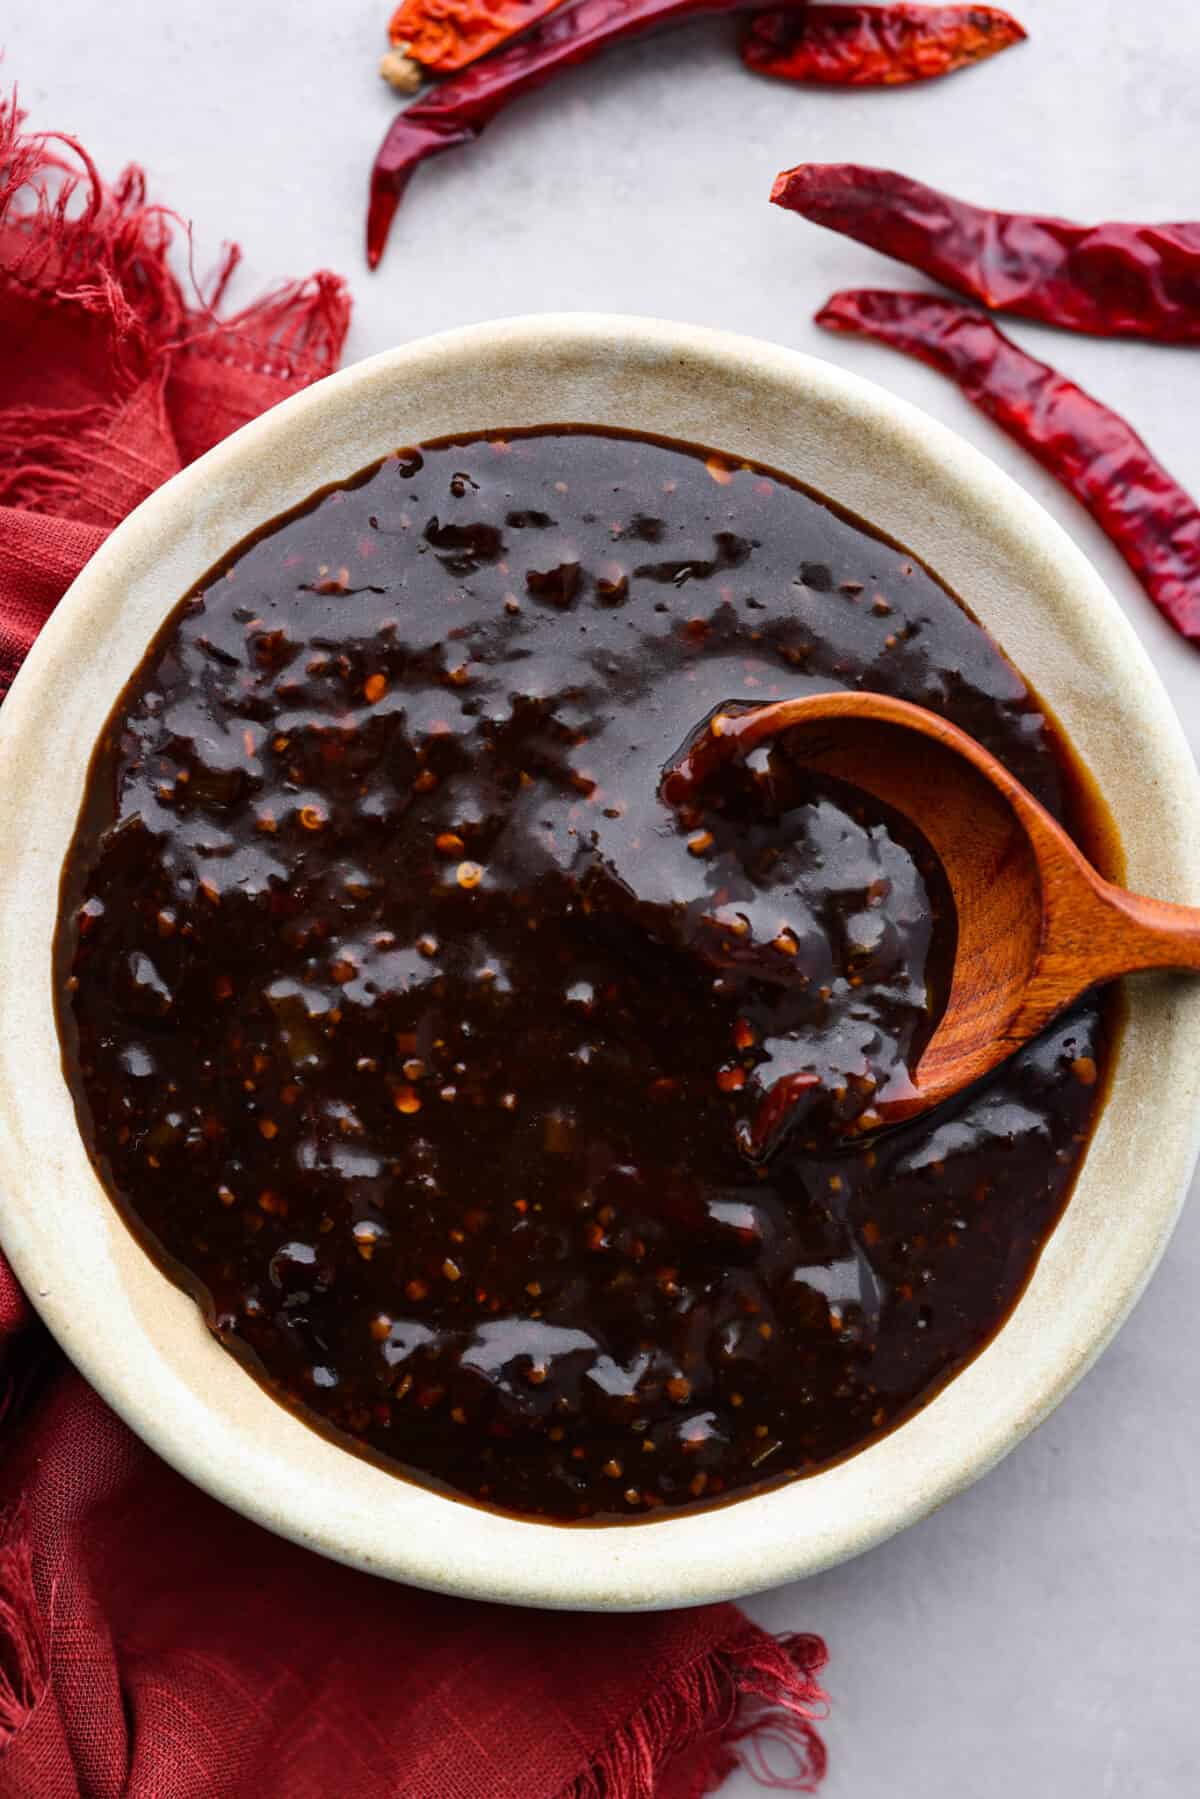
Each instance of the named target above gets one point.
<point>142,1343</point>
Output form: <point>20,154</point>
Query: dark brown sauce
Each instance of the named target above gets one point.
<point>419,1039</point>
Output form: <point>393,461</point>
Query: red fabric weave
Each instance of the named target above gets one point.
<point>152,1644</point>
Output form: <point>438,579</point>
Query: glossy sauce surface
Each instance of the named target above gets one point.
<point>497,1116</point>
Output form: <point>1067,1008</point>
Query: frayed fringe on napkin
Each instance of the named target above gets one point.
<point>116,372</point>
<point>95,259</point>
<point>754,1702</point>
<point>24,1657</point>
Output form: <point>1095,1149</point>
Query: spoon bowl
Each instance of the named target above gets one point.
<point>1037,925</point>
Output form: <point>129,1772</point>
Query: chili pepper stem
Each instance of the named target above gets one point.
<point>400,71</point>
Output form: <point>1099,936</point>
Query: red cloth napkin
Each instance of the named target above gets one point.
<point>152,1644</point>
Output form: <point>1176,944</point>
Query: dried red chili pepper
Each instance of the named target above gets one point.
<point>444,35</point>
<point>459,109</point>
<point>1092,450</point>
<point>1110,280</point>
<point>875,46</point>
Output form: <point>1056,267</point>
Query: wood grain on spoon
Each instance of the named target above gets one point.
<point>1037,925</point>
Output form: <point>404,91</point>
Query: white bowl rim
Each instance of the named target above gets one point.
<point>140,1342</point>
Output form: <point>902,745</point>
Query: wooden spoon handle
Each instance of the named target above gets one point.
<point>1148,933</point>
<point>1094,932</point>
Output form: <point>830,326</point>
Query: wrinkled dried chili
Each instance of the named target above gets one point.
<point>459,109</point>
<point>441,36</point>
<point>875,46</point>
<point>1092,450</point>
<point>1112,279</point>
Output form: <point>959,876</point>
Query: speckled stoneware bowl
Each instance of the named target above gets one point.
<point>141,1342</point>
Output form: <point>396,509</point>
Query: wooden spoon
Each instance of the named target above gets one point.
<point>1037,926</point>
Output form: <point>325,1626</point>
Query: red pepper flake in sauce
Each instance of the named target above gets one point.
<point>532,1182</point>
